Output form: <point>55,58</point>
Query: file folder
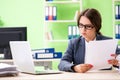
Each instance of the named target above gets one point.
<point>46,50</point>
<point>46,12</point>
<point>50,13</point>
<point>70,32</point>
<point>54,13</point>
<point>116,12</point>
<point>48,55</point>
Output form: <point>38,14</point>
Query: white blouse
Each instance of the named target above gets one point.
<point>86,43</point>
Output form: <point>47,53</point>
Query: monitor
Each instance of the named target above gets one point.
<point>10,34</point>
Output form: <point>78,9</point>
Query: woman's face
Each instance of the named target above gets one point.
<point>87,30</point>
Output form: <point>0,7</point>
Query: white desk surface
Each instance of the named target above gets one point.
<point>35,60</point>
<point>47,63</point>
<point>101,75</point>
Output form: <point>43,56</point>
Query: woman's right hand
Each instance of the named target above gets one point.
<point>82,68</point>
<point>113,61</point>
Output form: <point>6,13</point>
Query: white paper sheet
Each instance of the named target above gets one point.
<point>98,53</point>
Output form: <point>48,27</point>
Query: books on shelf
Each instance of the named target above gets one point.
<point>74,35</point>
<point>47,53</point>
<point>8,70</point>
<point>70,32</point>
<point>57,55</point>
<point>76,15</point>
<point>54,13</point>
<point>50,13</point>
<point>46,50</point>
<point>117,31</point>
<point>117,11</point>
<point>49,0</point>
<point>74,0</point>
<point>73,31</point>
<point>46,13</point>
<point>49,35</point>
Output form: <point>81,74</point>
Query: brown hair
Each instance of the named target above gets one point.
<point>94,16</point>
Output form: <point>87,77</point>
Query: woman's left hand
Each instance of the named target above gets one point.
<point>113,61</point>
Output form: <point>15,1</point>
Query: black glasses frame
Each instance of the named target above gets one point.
<point>88,27</point>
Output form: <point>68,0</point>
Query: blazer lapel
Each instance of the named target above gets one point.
<point>81,50</point>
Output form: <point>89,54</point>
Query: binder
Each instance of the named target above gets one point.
<point>78,32</point>
<point>70,32</point>
<point>50,13</point>
<point>46,50</point>
<point>116,12</point>
<point>74,30</point>
<point>46,12</point>
<point>39,52</point>
<point>43,55</point>
<point>48,55</point>
<point>116,32</point>
<point>54,13</point>
<point>50,0</point>
<point>57,55</point>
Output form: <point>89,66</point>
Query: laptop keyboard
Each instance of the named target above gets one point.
<point>47,71</point>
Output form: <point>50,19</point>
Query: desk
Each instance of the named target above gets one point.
<point>47,63</point>
<point>103,75</point>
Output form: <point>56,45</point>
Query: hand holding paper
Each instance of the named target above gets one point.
<point>98,53</point>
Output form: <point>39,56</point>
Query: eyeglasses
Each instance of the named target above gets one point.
<point>87,27</point>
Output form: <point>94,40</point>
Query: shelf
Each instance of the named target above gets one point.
<point>66,13</point>
<point>57,40</point>
<point>58,21</point>
<point>116,22</point>
<point>117,19</point>
<point>116,0</point>
<point>62,2</point>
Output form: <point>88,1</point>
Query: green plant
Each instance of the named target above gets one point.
<point>1,22</point>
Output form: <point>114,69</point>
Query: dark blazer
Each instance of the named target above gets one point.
<point>75,53</point>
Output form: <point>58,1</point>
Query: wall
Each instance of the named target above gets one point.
<point>30,13</point>
<point>105,8</point>
<point>25,13</point>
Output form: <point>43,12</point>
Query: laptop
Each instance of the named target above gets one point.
<point>22,58</point>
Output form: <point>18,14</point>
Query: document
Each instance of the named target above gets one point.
<point>8,70</point>
<point>98,53</point>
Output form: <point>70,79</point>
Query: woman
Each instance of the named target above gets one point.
<point>89,24</point>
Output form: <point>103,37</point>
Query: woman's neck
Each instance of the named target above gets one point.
<point>90,39</point>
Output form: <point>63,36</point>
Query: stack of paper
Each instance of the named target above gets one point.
<point>8,70</point>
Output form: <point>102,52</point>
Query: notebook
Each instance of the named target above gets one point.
<point>22,58</point>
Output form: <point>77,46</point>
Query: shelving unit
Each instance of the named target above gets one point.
<point>116,18</point>
<point>57,30</point>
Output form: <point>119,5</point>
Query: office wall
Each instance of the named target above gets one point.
<point>30,13</point>
<point>24,13</point>
<point>105,8</point>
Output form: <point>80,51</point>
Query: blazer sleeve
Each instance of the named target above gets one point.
<point>66,61</point>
